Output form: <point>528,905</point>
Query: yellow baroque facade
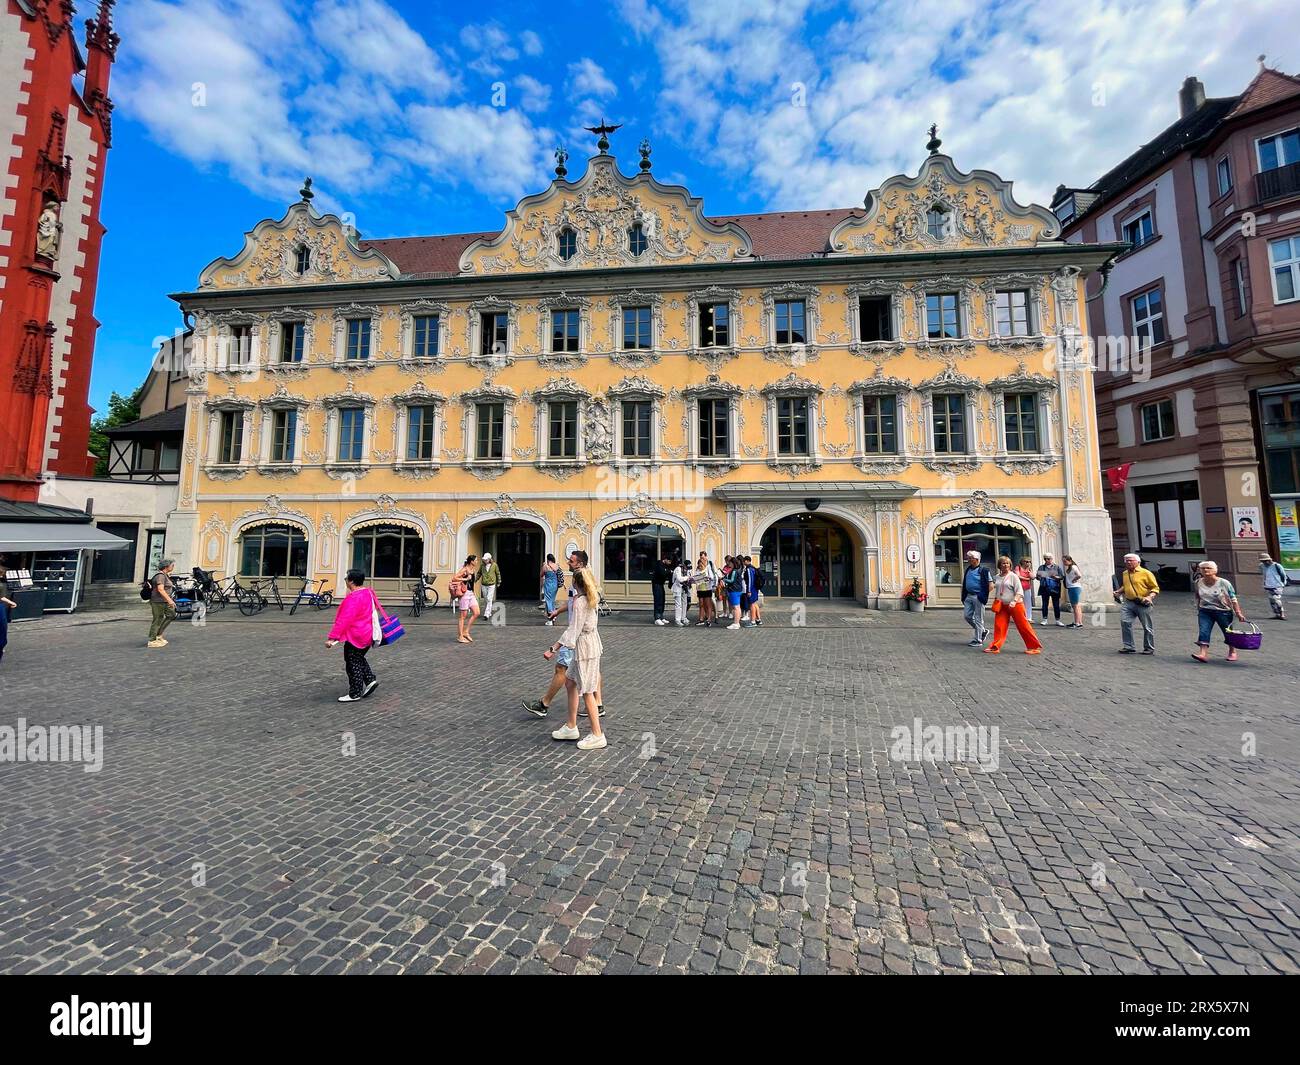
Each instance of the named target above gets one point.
<point>852,397</point>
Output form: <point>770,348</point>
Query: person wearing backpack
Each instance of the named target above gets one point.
<point>756,595</point>
<point>159,589</point>
<point>354,627</point>
<point>1275,580</point>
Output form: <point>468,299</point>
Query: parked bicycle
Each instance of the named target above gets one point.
<point>259,594</point>
<point>320,597</point>
<point>424,594</point>
<point>212,593</point>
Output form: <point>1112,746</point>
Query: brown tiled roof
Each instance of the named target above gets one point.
<point>1269,87</point>
<point>777,235</point>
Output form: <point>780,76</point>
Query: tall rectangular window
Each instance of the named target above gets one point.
<point>1281,149</point>
<point>489,419</point>
<point>419,433</point>
<point>562,416</point>
<point>424,336</point>
<point>1013,313</point>
<point>1149,318</point>
<point>1280,429</point>
<point>637,333</point>
<point>714,425</point>
<point>291,341</point>
<point>1239,284</point>
<point>232,436</point>
<point>1224,170</point>
<point>637,422</point>
<point>1157,420</point>
<point>241,345</point>
<point>942,317</point>
<point>1139,230</point>
<point>715,325</point>
<point>1284,257</point>
<point>875,320</point>
<point>284,429</point>
<point>950,424</point>
<point>565,330</point>
<point>358,339</point>
<point>352,426</point>
<point>1020,416</point>
<point>494,333</point>
<point>790,322</point>
<point>792,425</point>
<point>880,425</point>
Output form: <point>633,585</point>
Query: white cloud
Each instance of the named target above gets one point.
<point>1010,84</point>
<point>359,103</point>
<point>531,43</point>
<point>587,78</point>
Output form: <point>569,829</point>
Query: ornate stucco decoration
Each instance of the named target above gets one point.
<point>417,396</point>
<point>599,209</point>
<point>978,504</point>
<point>1014,466</point>
<point>979,209</point>
<point>637,387</point>
<point>949,379</point>
<point>349,397</point>
<point>506,507</point>
<point>283,399</point>
<point>712,388</point>
<point>1021,380</point>
<point>792,385</point>
<point>270,255</point>
<point>598,431</point>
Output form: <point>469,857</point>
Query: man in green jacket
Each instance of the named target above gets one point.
<point>489,580</point>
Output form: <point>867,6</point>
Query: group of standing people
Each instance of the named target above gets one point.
<point>733,590</point>
<point>1135,589</point>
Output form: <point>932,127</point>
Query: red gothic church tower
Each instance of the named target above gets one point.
<point>54,137</point>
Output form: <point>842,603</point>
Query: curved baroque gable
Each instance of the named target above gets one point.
<point>600,208</point>
<point>269,255</point>
<point>981,214</point>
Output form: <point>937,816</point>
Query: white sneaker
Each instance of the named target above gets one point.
<point>734,625</point>
<point>565,732</point>
<point>155,643</point>
<point>660,621</point>
<point>1060,624</point>
<point>549,624</point>
<point>162,641</point>
<point>349,698</point>
<point>593,743</point>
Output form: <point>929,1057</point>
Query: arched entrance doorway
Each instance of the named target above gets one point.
<point>629,551</point>
<point>391,555</point>
<point>953,539</point>
<point>807,556</point>
<point>518,547</point>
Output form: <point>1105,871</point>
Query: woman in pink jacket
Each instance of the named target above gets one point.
<point>354,627</point>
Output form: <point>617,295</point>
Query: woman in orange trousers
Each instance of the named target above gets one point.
<point>1009,605</point>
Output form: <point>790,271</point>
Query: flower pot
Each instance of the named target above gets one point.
<point>915,605</point>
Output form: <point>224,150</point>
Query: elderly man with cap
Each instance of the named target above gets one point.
<point>1275,580</point>
<point>489,580</point>
<point>975,596</point>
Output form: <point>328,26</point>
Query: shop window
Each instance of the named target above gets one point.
<point>273,551</point>
<point>1169,516</point>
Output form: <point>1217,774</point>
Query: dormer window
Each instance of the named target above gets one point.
<point>636,239</point>
<point>937,222</point>
<point>567,244</point>
<point>302,259</point>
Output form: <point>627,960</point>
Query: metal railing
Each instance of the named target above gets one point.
<point>1281,181</point>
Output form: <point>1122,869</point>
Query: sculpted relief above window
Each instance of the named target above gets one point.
<point>605,219</point>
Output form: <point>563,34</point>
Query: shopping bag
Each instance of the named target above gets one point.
<point>392,630</point>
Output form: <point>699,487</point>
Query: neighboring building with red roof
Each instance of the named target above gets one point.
<point>1208,413</point>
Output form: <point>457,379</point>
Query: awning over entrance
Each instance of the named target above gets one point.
<point>825,491</point>
<point>625,522</point>
<point>50,536</point>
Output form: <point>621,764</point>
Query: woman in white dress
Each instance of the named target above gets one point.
<point>583,676</point>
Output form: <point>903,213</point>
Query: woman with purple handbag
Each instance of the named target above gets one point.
<point>1216,603</point>
<point>359,624</point>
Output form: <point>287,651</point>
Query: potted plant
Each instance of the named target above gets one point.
<point>915,596</point>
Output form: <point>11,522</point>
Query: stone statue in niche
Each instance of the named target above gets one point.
<point>48,231</point>
<point>600,440</point>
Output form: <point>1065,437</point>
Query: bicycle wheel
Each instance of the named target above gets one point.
<point>324,599</point>
<point>248,605</point>
<point>432,598</point>
<point>417,604</point>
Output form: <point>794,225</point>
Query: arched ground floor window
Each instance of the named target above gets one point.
<point>989,538</point>
<point>629,555</point>
<point>273,550</point>
<point>391,556</point>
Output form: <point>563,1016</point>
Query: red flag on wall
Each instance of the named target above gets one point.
<point>1118,476</point>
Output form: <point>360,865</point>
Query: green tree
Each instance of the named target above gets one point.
<point>122,410</point>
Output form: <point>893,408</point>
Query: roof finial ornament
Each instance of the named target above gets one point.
<point>561,157</point>
<point>305,192</point>
<point>1263,65</point>
<point>603,130</point>
<point>934,141</point>
<point>644,149</point>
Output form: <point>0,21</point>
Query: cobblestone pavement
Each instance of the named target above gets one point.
<point>747,815</point>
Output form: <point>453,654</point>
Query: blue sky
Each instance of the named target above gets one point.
<point>422,117</point>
